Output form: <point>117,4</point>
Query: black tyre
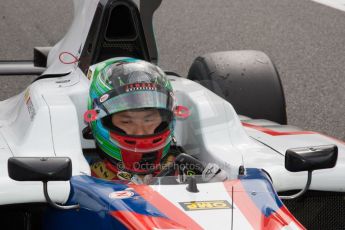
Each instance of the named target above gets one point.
<point>247,79</point>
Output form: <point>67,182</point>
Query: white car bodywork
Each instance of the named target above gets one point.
<point>47,120</point>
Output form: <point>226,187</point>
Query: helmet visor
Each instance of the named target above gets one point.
<point>112,103</point>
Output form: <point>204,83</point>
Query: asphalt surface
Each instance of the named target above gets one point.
<point>304,39</point>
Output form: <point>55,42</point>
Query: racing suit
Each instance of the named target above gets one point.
<point>104,169</point>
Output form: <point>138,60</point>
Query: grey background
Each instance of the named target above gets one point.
<point>304,39</point>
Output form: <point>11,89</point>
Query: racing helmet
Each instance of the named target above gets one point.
<point>128,84</point>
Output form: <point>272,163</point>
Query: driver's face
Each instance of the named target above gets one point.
<point>137,122</point>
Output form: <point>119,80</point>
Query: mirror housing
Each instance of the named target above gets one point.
<point>311,158</point>
<point>40,168</point>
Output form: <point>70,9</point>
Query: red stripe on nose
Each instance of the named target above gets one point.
<point>273,132</point>
<point>166,207</point>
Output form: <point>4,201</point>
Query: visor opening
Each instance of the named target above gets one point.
<point>130,142</point>
<point>156,140</point>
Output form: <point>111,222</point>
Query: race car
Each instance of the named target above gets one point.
<point>234,116</point>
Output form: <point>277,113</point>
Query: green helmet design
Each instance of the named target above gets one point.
<point>122,84</point>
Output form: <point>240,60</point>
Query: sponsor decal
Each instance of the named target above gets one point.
<point>190,173</point>
<point>104,98</point>
<point>29,105</point>
<point>121,194</point>
<point>124,175</point>
<point>100,170</point>
<point>89,74</point>
<point>26,95</point>
<point>210,171</point>
<point>140,86</point>
<point>205,205</point>
<point>31,109</point>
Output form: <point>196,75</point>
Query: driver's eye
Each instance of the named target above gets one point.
<point>125,122</point>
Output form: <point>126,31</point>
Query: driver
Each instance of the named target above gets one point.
<point>131,116</point>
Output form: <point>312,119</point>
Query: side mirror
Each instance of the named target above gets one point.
<point>309,159</point>
<point>41,169</point>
